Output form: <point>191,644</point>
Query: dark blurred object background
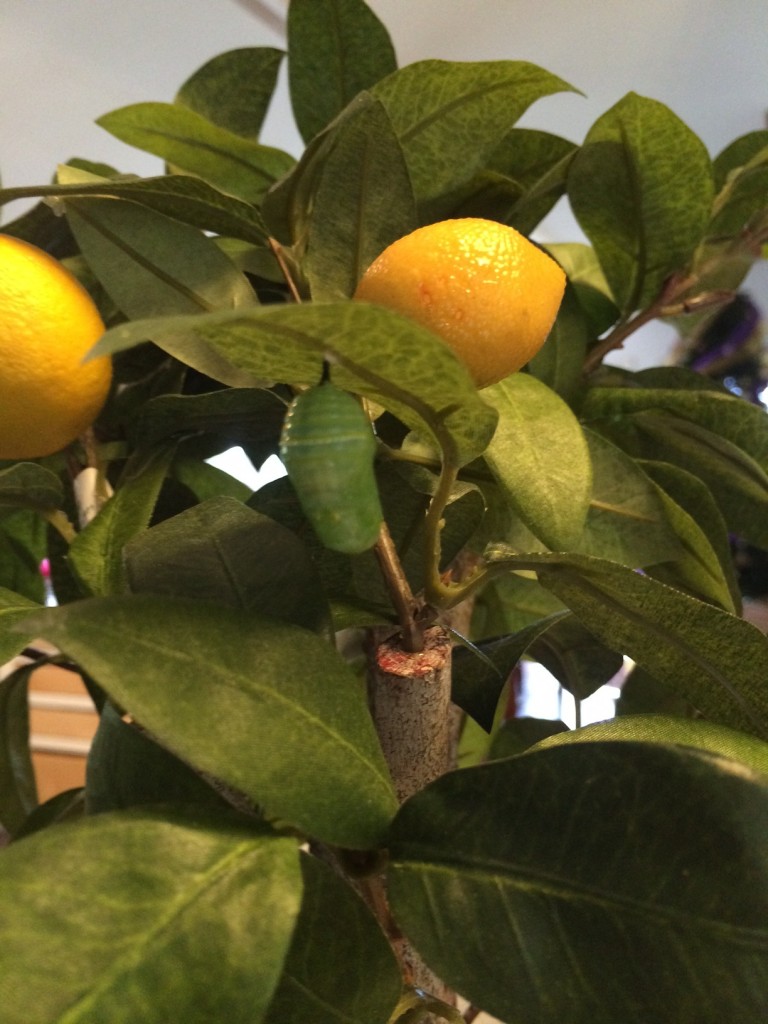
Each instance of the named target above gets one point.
<point>730,348</point>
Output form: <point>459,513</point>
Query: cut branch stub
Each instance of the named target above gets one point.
<point>410,696</point>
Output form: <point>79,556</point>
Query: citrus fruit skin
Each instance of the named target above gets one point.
<point>48,322</point>
<point>481,286</point>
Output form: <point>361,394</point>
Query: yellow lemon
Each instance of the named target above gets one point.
<point>48,322</point>
<point>484,288</point>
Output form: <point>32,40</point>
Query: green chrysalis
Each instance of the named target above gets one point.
<point>327,446</point>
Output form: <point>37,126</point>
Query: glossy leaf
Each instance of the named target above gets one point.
<point>519,881</point>
<point>451,116</point>
<point>336,49</point>
<point>687,732</point>
<point>340,968</point>
<point>96,553</point>
<point>239,166</point>
<point>643,217</point>
<point>18,788</point>
<point>174,918</point>
<point>267,707</point>
<point>712,658</point>
<point>233,90</point>
<point>361,202</point>
<point>537,454</point>
<point>372,351</point>
<point>224,552</point>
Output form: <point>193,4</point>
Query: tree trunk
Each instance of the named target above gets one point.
<point>410,698</point>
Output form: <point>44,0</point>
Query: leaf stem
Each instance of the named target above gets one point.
<point>439,592</point>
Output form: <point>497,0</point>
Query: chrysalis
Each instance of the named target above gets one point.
<point>327,446</point>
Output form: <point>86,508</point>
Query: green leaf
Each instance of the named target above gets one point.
<point>239,166</point>
<point>127,768</point>
<point>29,485</point>
<point>96,553</point>
<point>18,789</point>
<point>712,658</point>
<point>451,116</point>
<point>586,277</point>
<point>522,180</point>
<point>516,735</point>
<point>336,49</point>
<point>267,707</point>
<point>248,417</point>
<point>205,481</point>
<point>361,201</point>
<point>180,196</point>
<point>643,216</point>
<point>627,520</point>
<point>480,673</point>
<point>738,483</point>
<point>340,969</point>
<point>150,264</point>
<point>705,564</point>
<point>65,806</point>
<point>741,175</point>
<point>537,455</point>
<point>687,732</point>
<point>720,438</point>
<point>372,351</point>
<point>743,424</point>
<point>579,662</point>
<point>174,919</point>
<point>23,545</point>
<point>14,608</point>
<point>520,880</point>
<point>233,90</point>
<point>224,552</point>
<point>559,361</point>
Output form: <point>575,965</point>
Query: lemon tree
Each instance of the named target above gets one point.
<point>274,826</point>
<point>48,324</point>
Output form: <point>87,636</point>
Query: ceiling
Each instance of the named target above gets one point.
<point>64,64</point>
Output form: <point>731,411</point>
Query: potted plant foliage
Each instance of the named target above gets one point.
<point>304,801</point>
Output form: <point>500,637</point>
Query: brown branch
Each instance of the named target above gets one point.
<point>401,595</point>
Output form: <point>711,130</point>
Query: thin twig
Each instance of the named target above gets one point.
<point>277,252</point>
<point>399,589</point>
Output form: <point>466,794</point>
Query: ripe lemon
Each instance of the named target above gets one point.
<point>48,322</point>
<point>484,288</point>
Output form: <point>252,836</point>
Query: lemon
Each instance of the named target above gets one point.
<point>48,322</point>
<point>485,289</point>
